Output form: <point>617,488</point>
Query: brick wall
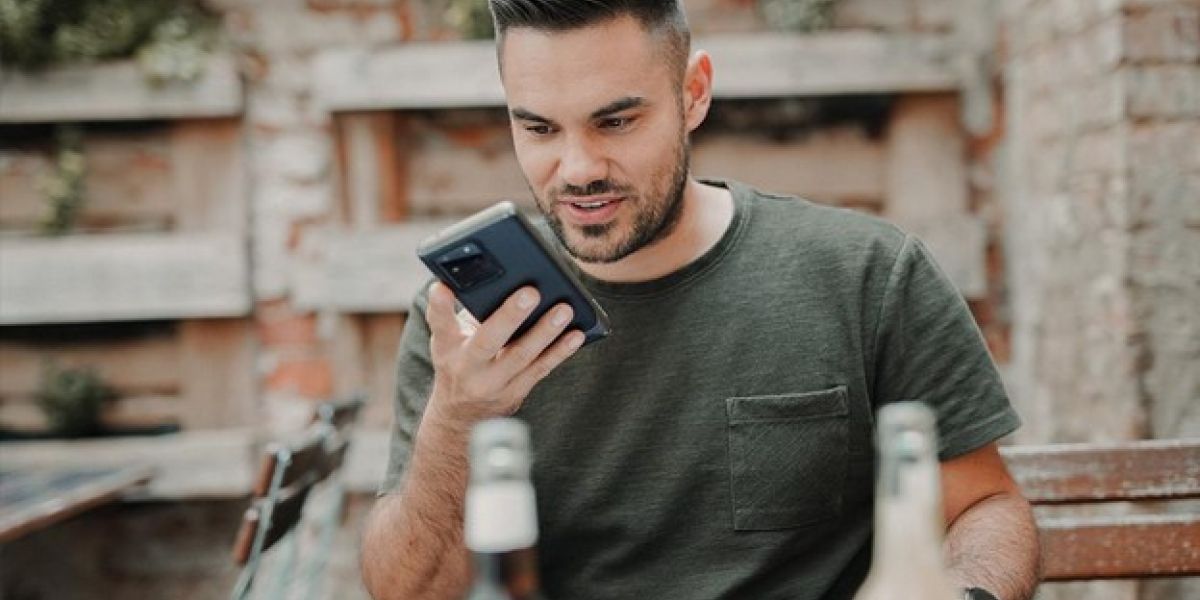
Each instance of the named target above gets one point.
<point>1103,102</point>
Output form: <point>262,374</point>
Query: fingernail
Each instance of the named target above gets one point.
<point>525,299</point>
<point>562,316</point>
<point>576,341</point>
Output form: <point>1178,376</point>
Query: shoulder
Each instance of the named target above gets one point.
<point>817,230</point>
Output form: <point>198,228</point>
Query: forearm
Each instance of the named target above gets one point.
<point>994,545</point>
<point>412,544</point>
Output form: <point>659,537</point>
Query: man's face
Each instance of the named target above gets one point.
<point>598,128</point>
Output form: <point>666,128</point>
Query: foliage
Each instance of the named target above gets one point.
<point>797,15</point>
<point>169,36</point>
<point>71,399</point>
<point>471,18</point>
<point>63,189</point>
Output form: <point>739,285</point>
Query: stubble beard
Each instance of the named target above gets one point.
<point>655,218</point>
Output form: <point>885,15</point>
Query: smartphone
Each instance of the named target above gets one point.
<point>491,254</point>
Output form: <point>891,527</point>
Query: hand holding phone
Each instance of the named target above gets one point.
<point>527,304</point>
<point>487,257</point>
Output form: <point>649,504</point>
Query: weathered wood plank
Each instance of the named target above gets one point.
<point>926,179</point>
<point>1077,473</point>
<point>22,414</point>
<point>382,334</point>
<point>368,271</point>
<point>464,74</point>
<point>209,183</point>
<point>374,173</point>
<point>123,277</point>
<point>463,168</point>
<point>1120,547</point>
<point>831,166</point>
<point>149,364</point>
<point>189,465</point>
<point>118,91</point>
<point>127,183</point>
<point>218,378</point>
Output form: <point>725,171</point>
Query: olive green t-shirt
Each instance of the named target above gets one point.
<point>719,443</point>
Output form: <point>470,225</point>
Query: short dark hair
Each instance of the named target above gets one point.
<point>664,18</point>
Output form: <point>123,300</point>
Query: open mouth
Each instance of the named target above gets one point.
<point>591,211</point>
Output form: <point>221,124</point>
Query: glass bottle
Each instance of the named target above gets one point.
<point>907,559</point>
<point>501,513</point>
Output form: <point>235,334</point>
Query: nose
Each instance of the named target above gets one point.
<point>582,163</point>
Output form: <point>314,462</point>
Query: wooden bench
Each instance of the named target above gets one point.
<point>1153,540</point>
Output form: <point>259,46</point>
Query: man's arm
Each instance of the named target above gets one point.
<point>412,546</point>
<point>992,539</point>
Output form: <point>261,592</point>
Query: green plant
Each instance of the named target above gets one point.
<point>71,399</point>
<point>797,15</point>
<point>471,18</point>
<point>63,188</point>
<point>38,33</point>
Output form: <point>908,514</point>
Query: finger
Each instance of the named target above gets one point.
<point>496,330</point>
<point>440,314</point>
<point>554,356</point>
<point>521,353</point>
<point>466,322</point>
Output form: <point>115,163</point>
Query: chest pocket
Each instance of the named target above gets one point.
<point>787,458</point>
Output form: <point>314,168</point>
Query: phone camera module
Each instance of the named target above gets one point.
<point>468,266</point>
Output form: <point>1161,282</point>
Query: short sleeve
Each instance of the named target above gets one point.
<point>928,348</point>
<point>414,378</point>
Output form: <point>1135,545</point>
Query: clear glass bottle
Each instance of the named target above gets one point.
<point>501,513</point>
<point>907,559</point>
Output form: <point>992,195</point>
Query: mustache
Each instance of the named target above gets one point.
<point>594,188</point>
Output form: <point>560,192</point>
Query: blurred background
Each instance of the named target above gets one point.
<point>208,211</point>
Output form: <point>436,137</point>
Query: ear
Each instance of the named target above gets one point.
<point>697,89</point>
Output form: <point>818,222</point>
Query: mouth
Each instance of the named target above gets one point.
<point>591,210</point>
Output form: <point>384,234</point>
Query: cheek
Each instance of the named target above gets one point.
<point>536,162</point>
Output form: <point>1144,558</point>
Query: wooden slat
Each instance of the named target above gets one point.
<point>1120,547</point>
<point>1072,473</point>
<point>127,183</point>
<point>460,168</point>
<point>188,465</point>
<point>118,91</point>
<point>927,190</point>
<point>368,271</point>
<point>209,188</point>
<point>148,364</point>
<point>218,379</point>
<point>829,166</point>
<point>137,411</point>
<point>373,167</point>
<point>123,277</point>
<point>759,65</point>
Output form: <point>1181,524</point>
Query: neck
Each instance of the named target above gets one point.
<point>706,214</point>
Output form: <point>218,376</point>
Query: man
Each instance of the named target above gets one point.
<point>719,443</point>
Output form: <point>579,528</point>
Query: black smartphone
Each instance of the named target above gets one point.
<point>493,253</point>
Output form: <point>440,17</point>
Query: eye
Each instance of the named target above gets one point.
<point>616,122</point>
<point>538,129</point>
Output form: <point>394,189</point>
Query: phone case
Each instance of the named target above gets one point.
<point>488,256</point>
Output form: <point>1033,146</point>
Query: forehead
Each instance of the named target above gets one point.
<point>581,69</point>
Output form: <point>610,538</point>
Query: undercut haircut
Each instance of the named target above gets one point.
<point>662,18</point>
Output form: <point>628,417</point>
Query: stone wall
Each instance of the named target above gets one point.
<point>1103,207</point>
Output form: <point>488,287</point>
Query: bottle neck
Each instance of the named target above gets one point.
<point>515,572</point>
<point>909,529</point>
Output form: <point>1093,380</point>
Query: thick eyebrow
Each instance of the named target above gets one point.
<point>617,106</point>
<point>611,108</point>
<point>521,114</point>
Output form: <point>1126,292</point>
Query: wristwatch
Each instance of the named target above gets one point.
<point>976,593</point>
